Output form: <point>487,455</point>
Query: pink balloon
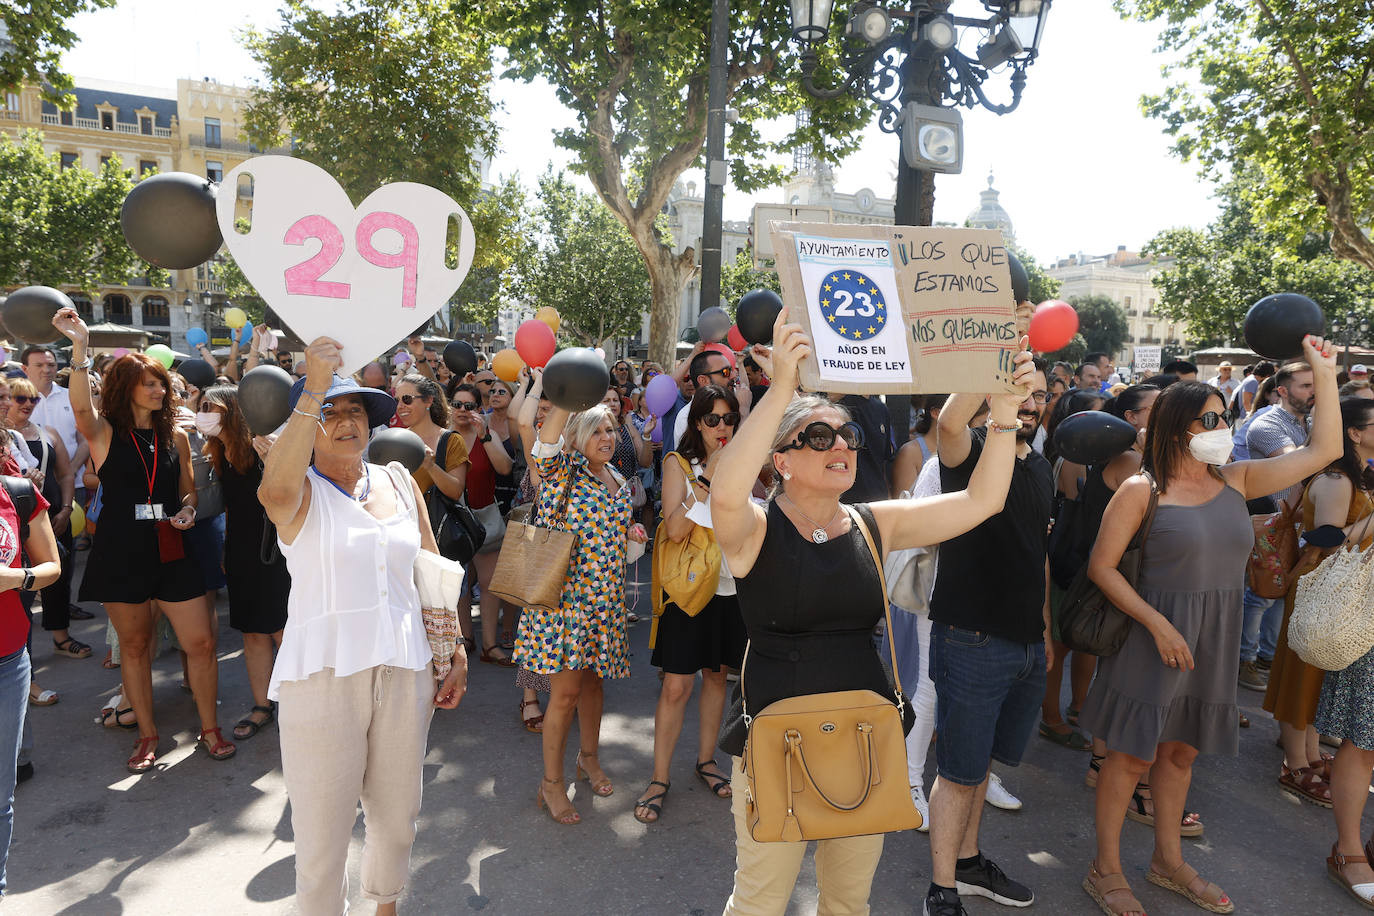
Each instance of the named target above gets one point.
<point>535,342</point>
<point>600,352</point>
<point>119,351</point>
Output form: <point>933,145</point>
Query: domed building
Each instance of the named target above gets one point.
<point>990,214</point>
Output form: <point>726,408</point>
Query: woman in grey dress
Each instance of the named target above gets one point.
<point>1171,690</point>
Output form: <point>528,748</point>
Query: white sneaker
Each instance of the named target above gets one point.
<point>999,797</point>
<point>918,798</point>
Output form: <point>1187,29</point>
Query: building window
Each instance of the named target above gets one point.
<point>67,160</point>
<point>155,311</point>
<point>146,166</point>
<point>12,102</point>
<point>66,118</point>
<point>107,120</point>
<point>1127,302</point>
<point>145,125</point>
<point>82,303</point>
<point>214,171</point>
<point>212,137</point>
<point>1149,332</point>
<point>103,161</point>
<point>118,308</point>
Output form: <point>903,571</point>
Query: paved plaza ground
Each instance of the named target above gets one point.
<point>199,836</point>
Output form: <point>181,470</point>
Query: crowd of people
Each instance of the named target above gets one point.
<point>807,509</point>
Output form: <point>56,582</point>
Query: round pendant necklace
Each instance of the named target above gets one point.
<point>818,531</point>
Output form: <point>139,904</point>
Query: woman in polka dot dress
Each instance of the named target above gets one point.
<point>584,640</point>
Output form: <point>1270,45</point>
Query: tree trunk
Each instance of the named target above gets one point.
<point>668,276</point>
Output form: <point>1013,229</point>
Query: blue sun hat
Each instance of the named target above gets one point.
<point>381,407</point>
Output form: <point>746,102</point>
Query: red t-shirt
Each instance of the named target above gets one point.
<point>14,623</point>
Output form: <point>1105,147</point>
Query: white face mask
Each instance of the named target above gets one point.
<point>1211,447</point>
<point>209,423</point>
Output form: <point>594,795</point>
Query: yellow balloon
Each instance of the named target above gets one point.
<point>549,315</point>
<point>507,365</point>
<point>77,521</point>
<point>235,318</point>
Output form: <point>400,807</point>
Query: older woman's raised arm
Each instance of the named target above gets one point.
<point>284,493</point>
<point>740,524</point>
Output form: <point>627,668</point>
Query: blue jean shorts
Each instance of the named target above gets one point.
<point>988,692</point>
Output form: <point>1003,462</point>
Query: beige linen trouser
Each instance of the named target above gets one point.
<point>345,739</point>
<point>765,873</point>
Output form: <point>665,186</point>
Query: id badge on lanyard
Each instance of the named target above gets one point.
<point>149,511</point>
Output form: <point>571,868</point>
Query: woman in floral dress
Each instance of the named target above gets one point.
<point>584,640</point>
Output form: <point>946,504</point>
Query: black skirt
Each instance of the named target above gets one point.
<point>713,639</point>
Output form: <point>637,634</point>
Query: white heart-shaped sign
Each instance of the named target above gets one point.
<point>366,277</point>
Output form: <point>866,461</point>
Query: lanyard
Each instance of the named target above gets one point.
<point>151,475</point>
<point>366,490</point>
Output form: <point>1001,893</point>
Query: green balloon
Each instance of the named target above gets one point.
<point>162,353</point>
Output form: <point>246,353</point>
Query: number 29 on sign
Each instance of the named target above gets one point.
<point>305,279</point>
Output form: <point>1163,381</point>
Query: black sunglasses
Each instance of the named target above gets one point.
<point>1211,419</point>
<point>464,405</point>
<point>409,399</point>
<point>820,437</point>
<point>730,419</point>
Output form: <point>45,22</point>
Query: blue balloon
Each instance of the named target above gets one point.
<point>197,337</point>
<point>246,334</point>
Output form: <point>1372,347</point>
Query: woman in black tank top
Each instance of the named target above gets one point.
<point>809,588</point>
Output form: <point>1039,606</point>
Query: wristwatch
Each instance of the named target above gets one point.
<point>485,439</point>
<point>27,584</point>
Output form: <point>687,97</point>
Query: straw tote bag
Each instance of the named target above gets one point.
<point>1332,625</point>
<point>827,765</point>
<point>532,567</point>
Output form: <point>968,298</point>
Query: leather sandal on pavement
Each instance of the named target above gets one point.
<point>602,786</point>
<point>1363,892</point>
<point>248,727</point>
<point>505,661</point>
<point>1072,739</point>
<point>566,816</point>
<point>71,648</point>
<point>1182,880</point>
<point>144,756</point>
<point>213,741</point>
<point>652,804</point>
<point>1191,826</point>
<point>1100,887</point>
<point>532,723</point>
<point>1094,770</point>
<point>718,784</point>
<point>1307,784</point>
<point>41,697</point>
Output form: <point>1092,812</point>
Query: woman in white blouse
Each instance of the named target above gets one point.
<point>353,676</point>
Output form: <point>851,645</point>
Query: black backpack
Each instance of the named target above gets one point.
<point>25,498</point>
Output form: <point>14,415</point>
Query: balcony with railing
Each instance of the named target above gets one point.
<point>209,286</point>
<point>198,141</point>
<point>7,115</point>
<point>120,127</point>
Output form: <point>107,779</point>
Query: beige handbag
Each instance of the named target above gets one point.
<point>1332,626</point>
<point>829,765</point>
<point>533,565</point>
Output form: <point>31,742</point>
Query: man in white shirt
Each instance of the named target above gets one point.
<point>1224,383</point>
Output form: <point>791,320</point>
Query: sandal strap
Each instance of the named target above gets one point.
<point>267,709</point>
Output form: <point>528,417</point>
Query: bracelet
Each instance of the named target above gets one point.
<point>311,416</point>
<point>996,427</point>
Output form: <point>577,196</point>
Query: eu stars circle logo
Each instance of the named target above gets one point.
<point>852,305</point>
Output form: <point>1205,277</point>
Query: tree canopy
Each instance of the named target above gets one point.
<point>61,226</point>
<point>1279,90</point>
<point>1101,322</point>
<point>37,36</point>
<point>740,276</point>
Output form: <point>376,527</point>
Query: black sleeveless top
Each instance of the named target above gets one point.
<point>810,610</point>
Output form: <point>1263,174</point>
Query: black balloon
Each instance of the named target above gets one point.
<point>1092,437</point>
<point>713,324</point>
<point>264,398</point>
<point>169,220</point>
<point>197,372</point>
<point>576,378</point>
<point>28,313</point>
<point>1276,325</point>
<point>755,314</point>
<point>1020,280</point>
<point>460,357</point>
<point>397,444</point>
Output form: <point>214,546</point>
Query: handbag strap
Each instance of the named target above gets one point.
<point>1142,533</point>
<point>560,517</point>
<point>1367,519</point>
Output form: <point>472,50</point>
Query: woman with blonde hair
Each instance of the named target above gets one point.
<point>583,641</point>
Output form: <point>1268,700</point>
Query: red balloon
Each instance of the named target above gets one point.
<point>535,342</point>
<point>723,350</point>
<point>735,339</point>
<point>1052,326</point>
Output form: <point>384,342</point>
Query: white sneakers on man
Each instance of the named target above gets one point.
<point>918,798</point>
<point>999,797</point>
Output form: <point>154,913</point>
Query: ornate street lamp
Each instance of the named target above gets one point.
<point>1347,326</point>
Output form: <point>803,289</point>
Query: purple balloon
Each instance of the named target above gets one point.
<point>401,358</point>
<point>656,435</point>
<point>660,395</point>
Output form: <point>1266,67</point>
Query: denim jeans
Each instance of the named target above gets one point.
<point>1260,626</point>
<point>14,701</point>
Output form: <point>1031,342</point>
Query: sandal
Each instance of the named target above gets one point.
<point>568,817</point>
<point>144,756</point>
<point>508,641</point>
<point>71,648</point>
<point>652,804</point>
<point>602,786</point>
<point>1244,721</point>
<point>504,661</point>
<point>111,715</point>
<point>1071,716</point>
<point>42,697</point>
<point>1191,825</point>
<point>533,723</point>
<point>1307,784</point>
<point>109,662</point>
<point>1094,770</point>
<point>1071,739</point>
<point>1212,898</point>
<point>1363,892</point>
<point>1100,887</point>
<point>219,749</point>
<point>714,781</point>
<point>246,727</point>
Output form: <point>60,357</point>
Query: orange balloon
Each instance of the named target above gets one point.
<point>507,365</point>
<point>549,315</point>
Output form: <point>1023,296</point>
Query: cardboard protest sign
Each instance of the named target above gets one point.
<point>1147,360</point>
<point>899,309</point>
<point>366,277</point>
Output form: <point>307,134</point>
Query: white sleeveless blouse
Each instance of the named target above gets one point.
<point>353,602</point>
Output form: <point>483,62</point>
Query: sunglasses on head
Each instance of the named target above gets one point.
<point>25,399</point>
<point>820,437</point>
<point>1211,419</point>
<point>730,419</point>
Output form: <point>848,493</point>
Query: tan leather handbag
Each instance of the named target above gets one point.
<point>532,567</point>
<point>829,765</point>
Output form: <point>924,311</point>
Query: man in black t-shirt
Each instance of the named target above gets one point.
<point>875,457</point>
<point>990,614</point>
